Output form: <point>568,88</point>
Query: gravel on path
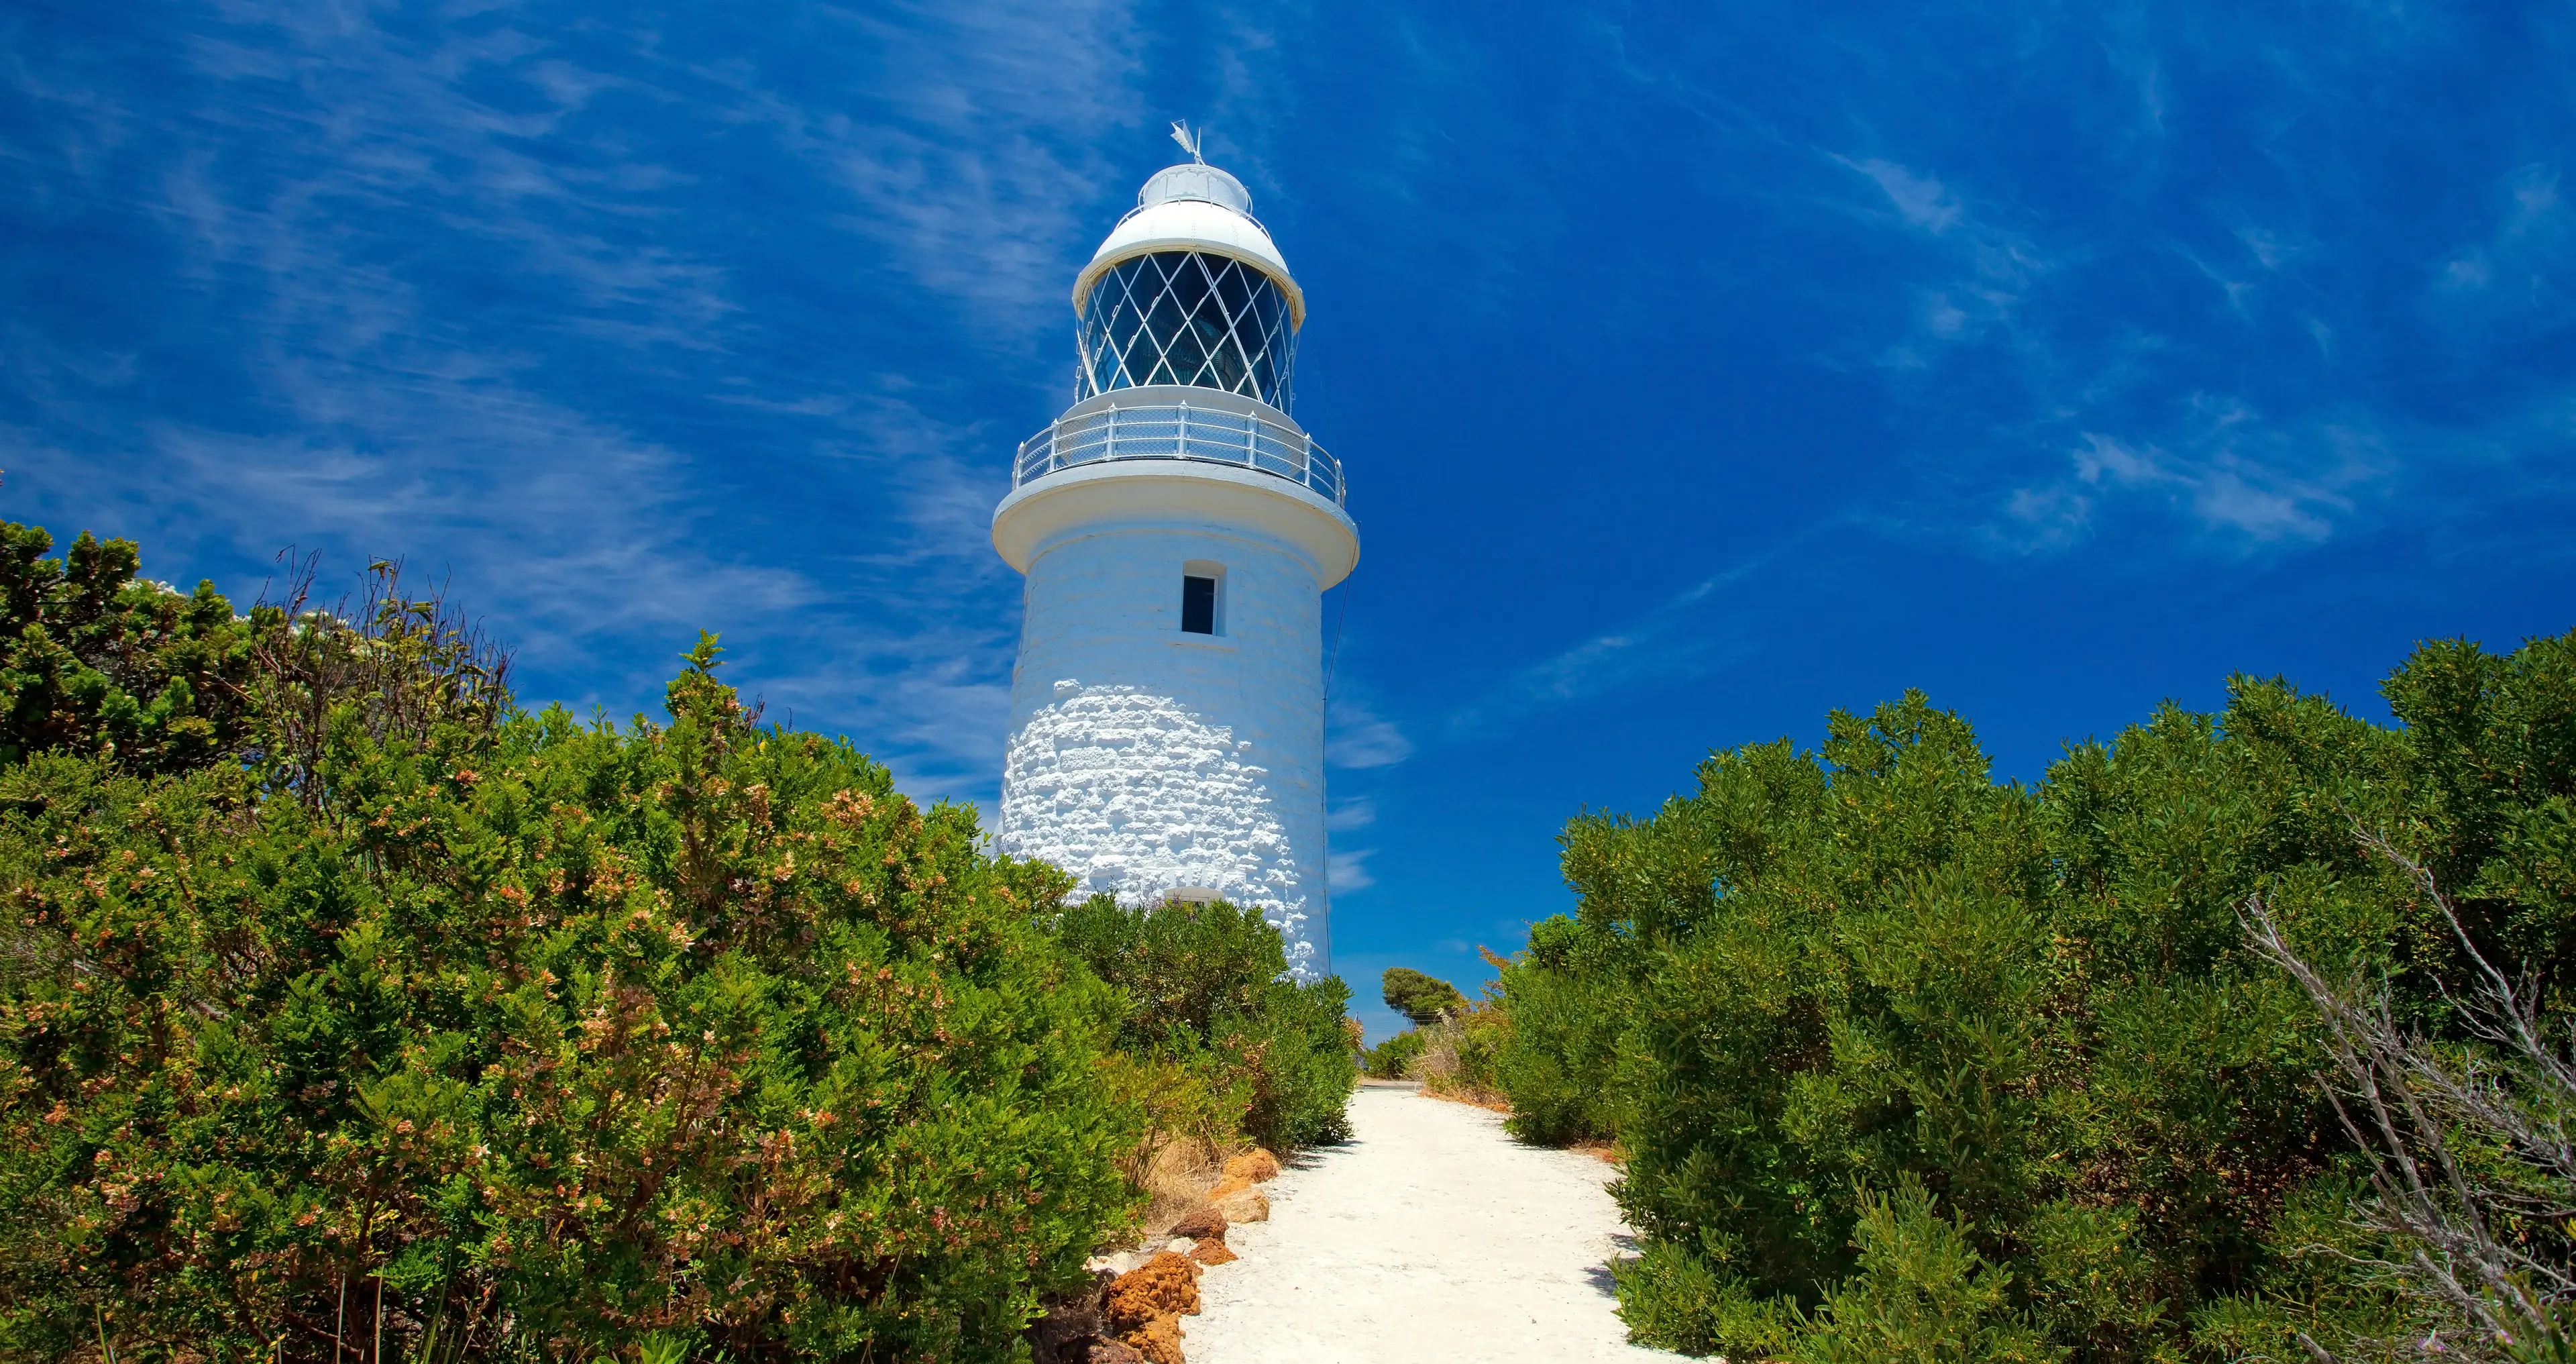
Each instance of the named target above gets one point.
<point>1429,1236</point>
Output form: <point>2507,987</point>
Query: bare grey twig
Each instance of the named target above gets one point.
<point>398,666</point>
<point>2468,1147</point>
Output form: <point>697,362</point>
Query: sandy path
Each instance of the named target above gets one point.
<point>1429,1236</point>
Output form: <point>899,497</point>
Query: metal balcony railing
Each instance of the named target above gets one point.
<point>1180,431</point>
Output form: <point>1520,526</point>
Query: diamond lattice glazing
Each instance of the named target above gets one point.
<point>1185,317</point>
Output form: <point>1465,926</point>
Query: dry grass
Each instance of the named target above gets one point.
<point>1473,1098</point>
<point>1608,1153</point>
<point>1176,1177</point>
<point>1443,1078</point>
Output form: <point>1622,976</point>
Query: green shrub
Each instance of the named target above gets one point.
<point>1207,991</point>
<point>553,1040</point>
<point>1922,1295</point>
<point>1301,1066</point>
<point>1389,1059</point>
<point>1564,1000</point>
<point>1907,1063</point>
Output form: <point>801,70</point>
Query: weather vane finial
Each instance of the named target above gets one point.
<point>1190,141</point>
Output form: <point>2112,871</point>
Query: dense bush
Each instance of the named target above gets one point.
<point>1207,997</point>
<point>545,1038</point>
<point>1910,1064</point>
<point>1565,1011</point>
<point>1390,1059</point>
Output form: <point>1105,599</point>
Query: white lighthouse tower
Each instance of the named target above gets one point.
<point>1178,530</point>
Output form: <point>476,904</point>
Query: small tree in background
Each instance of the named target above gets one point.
<point>1418,997</point>
<point>97,662</point>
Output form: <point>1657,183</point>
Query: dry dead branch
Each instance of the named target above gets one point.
<point>2468,1144</point>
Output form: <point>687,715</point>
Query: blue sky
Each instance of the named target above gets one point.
<point>1697,368</point>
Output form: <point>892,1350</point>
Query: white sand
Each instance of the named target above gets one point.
<point>1429,1236</point>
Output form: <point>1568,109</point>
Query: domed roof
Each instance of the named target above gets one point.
<point>1195,180</point>
<point>1193,207</point>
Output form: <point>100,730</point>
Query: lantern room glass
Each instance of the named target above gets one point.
<point>1187,317</point>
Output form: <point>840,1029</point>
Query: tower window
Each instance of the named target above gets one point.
<point>1198,605</point>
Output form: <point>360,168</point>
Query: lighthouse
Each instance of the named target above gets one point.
<point>1177,530</point>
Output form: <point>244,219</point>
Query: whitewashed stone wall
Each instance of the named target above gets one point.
<point>1148,761</point>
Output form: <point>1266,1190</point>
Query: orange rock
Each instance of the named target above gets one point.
<point>1230,1186</point>
<point>1255,1166</point>
<point>1164,1286</point>
<point>1200,1224</point>
<point>1213,1250</point>
<point>1245,1205</point>
<point>1158,1340</point>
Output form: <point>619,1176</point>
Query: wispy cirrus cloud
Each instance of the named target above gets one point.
<point>1348,814</point>
<point>2016,303</point>
<point>2221,490</point>
<point>1347,868</point>
<point>2242,485</point>
<point>2231,478</point>
<point>1355,736</point>
<point>1978,277</point>
<point>2521,277</point>
<point>1667,641</point>
<point>510,297</point>
<point>1919,199</point>
<point>972,140</point>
